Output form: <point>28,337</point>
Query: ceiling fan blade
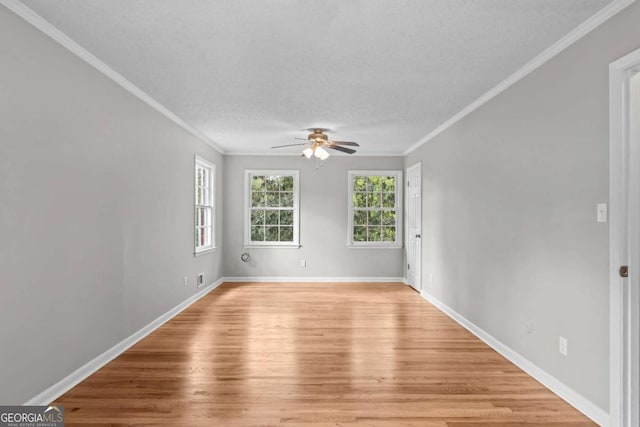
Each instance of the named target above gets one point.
<point>303,139</point>
<point>350,143</point>
<point>288,145</point>
<point>339,148</point>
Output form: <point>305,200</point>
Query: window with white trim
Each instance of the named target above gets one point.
<point>204,209</point>
<point>271,208</point>
<point>375,208</point>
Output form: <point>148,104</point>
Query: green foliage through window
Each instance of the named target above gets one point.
<point>272,199</point>
<point>374,208</point>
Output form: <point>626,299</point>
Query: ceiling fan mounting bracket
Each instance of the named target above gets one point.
<point>318,136</point>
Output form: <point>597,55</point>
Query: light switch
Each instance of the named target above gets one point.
<point>563,346</point>
<point>602,212</point>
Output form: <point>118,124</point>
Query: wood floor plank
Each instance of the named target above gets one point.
<point>326,354</point>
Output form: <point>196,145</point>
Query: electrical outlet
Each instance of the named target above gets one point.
<point>186,281</point>
<point>563,346</point>
<point>200,279</point>
<point>303,263</point>
<point>528,326</point>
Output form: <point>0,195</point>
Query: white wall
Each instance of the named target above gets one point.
<point>96,212</point>
<point>509,211</point>
<point>323,222</point>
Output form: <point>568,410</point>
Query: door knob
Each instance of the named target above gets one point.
<point>417,236</point>
<point>624,271</point>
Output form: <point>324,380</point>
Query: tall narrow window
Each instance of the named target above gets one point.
<point>271,208</point>
<point>204,210</point>
<point>375,208</point>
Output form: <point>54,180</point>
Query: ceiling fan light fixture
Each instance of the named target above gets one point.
<point>308,152</point>
<point>318,143</point>
<point>321,153</point>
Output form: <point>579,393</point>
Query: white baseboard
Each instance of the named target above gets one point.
<point>80,374</point>
<point>572,397</point>
<point>305,279</point>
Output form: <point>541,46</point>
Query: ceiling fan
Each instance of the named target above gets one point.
<point>317,142</point>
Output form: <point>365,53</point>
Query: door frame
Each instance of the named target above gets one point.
<point>418,286</point>
<point>624,191</point>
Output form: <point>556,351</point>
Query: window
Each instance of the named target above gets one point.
<point>271,208</point>
<point>204,214</point>
<point>375,215</point>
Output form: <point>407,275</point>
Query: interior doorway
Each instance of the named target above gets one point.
<point>414,226</point>
<point>624,170</point>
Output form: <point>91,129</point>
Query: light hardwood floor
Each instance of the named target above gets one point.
<point>324,354</point>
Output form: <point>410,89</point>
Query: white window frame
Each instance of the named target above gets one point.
<point>208,189</point>
<point>248,175</point>
<point>398,208</point>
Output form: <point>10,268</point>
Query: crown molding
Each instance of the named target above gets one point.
<point>261,154</point>
<point>585,28</point>
<point>274,154</point>
<point>41,24</point>
<point>582,30</point>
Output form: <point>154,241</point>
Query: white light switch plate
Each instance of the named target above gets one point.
<point>602,212</point>
<point>563,346</point>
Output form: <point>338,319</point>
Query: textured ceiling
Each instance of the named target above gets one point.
<point>249,74</point>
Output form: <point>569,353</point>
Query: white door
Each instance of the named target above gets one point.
<point>414,226</point>
<point>634,251</point>
<point>625,241</point>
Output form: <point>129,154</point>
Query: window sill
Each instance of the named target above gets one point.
<point>204,251</point>
<point>272,246</point>
<point>374,246</point>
